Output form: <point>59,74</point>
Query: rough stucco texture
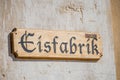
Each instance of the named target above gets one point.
<point>74,15</point>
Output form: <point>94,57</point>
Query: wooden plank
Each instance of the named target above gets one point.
<point>45,44</point>
<point>56,15</point>
<point>115,6</point>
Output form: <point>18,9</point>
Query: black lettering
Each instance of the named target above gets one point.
<point>63,44</point>
<point>94,46</point>
<point>88,48</point>
<point>73,46</point>
<point>39,45</point>
<point>80,46</point>
<point>47,46</point>
<point>24,37</point>
<point>54,43</point>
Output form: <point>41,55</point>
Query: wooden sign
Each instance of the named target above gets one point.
<point>45,44</point>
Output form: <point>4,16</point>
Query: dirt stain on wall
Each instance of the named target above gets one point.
<point>73,7</point>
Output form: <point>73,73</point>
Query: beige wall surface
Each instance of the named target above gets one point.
<point>72,15</point>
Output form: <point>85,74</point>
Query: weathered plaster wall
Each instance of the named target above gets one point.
<point>74,15</point>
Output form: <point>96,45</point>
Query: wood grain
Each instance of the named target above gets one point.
<point>71,15</point>
<point>115,6</point>
<point>48,44</point>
